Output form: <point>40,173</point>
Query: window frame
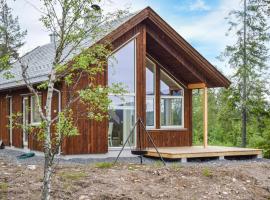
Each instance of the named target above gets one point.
<point>34,123</point>
<point>154,96</point>
<point>130,94</point>
<point>172,97</point>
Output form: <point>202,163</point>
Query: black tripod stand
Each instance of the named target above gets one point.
<point>139,151</point>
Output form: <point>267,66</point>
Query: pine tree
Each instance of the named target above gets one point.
<point>248,56</point>
<point>11,36</point>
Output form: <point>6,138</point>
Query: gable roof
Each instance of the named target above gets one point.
<point>40,59</point>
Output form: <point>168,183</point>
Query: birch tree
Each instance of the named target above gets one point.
<point>76,24</point>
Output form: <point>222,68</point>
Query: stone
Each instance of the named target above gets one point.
<point>31,167</point>
<point>84,197</point>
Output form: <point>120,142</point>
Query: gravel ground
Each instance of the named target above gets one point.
<point>11,155</point>
<point>86,179</point>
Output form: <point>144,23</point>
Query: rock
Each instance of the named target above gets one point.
<point>84,197</point>
<point>234,179</point>
<point>248,181</point>
<point>31,167</point>
<point>225,193</point>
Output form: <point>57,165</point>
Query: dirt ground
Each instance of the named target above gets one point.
<point>235,180</point>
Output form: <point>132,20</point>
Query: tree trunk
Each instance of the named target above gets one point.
<point>244,106</point>
<point>244,127</point>
<point>46,190</point>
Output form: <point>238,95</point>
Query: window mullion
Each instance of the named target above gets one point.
<point>157,95</point>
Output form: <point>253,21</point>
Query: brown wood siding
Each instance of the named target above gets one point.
<point>4,132</point>
<point>17,132</point>
<point>93,134</point>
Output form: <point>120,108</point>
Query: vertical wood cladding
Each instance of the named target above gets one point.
<point>4,133</point>
<point>93,134</point>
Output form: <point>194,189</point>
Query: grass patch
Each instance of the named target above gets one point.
<point>3,191</point>
<point>207,172</point>
<point>3,187</point>
<point>158,163</point>
<point>104,165</point>
<point>176,166</point>
<point>73,176</point>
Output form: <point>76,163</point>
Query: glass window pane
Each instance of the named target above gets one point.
<point>150,111</point>
<point>122,120</point>
<point>150,93</point>
<point>171,101</point>
<point>171,111</point>
<point>168,86</point>
<point>34,109</point>
<point>121,67</point>
<point>150,77</point>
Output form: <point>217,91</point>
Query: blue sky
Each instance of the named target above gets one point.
<point>201,22</point>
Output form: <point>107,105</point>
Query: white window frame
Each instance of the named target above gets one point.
<point>154,95</point>
<point>173,97</point>
<point>31,111</point>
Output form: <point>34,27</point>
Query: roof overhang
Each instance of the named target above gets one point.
<point>188,57</point>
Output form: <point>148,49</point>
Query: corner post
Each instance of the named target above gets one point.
<point>205,117</point>
<point>140,84</point>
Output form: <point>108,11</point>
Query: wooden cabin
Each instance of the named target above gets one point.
<point>160,70</point>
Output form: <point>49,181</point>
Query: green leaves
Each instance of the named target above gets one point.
<point>97,100</point>
<point>65,126</point>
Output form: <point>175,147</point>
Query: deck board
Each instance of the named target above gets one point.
<point>200,151</point>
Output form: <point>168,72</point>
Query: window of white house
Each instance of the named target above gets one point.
<point>35,116</point>
<point>171,102</point>
<point>121,69</point>
<point>150,94</point>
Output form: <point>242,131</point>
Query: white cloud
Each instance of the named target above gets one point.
<point>209,31</point>
<point>199,5</point>
<point>210,27</point>
<point>37,35</point>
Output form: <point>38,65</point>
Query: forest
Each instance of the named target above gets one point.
<point>240,115</point>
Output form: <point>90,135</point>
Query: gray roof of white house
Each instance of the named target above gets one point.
<point>40,59</point>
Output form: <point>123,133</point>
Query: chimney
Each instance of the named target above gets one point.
<point>53,37</point>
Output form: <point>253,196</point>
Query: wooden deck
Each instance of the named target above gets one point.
<point>201,152</point>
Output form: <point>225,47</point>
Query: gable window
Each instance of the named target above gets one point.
<point>171,102</point>
<point>121,69</point>
<point>35,116</point>
<point>150,93</point>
